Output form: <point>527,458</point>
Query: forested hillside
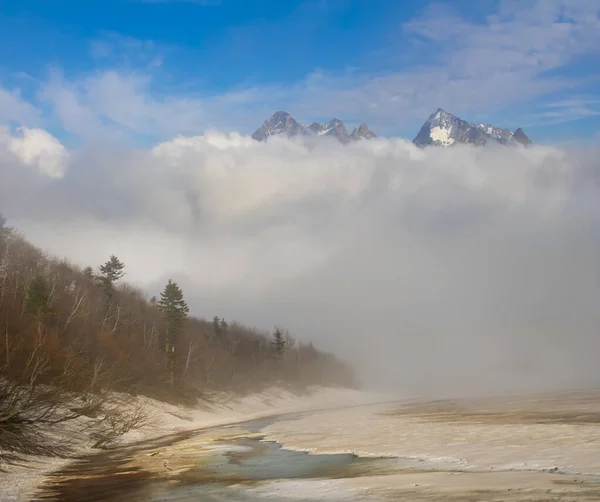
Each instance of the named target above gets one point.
<point>72,334</point>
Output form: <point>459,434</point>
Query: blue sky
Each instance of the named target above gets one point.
<point>146,70</point>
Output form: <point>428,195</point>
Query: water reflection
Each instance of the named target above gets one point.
<point>224,463</point>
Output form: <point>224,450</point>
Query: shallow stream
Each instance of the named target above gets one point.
<point>222,463</point>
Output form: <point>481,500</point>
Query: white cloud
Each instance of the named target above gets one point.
<point>72,111</point>
<point>475,68</point>
<point>110,104</point>
<point>567,110</point>
<point>515,56</point>
<point>36,148</point>
<point>14,108</point>
<point>427,266</point>
<point>128,51</point>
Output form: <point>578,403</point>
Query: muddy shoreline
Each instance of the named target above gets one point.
<point>237,462</point>
<point>187,463</point>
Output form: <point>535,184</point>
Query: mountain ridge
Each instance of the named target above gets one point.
<point>444,129</point>
<point>440,129</point>
<point>282,123</point>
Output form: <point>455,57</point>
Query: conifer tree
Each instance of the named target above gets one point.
<point>278,344</point>
<point>219,329</point>
<point>112,271</point>
<point>175,310</point>
<point>37,301</point>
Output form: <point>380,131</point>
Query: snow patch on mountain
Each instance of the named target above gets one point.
<point>444,129</point>
<point>443,136</point>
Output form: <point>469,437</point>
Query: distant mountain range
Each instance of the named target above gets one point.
<point>440,129</point>
<point>282,123</point>
<point>444,129</point>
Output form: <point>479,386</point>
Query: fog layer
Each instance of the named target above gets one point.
<point>437,271</point>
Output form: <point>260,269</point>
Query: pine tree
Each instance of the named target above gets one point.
<point>110,273</point>
<point>112,270</point>
<point>278,344</point>
<point>88,272</point>
<point>37,301</point>
<point>219,326</point>
<point>223,328</point>
<point>175,310</point>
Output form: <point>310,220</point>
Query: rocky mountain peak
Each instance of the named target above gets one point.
<point>441,114</point>
<point>282,123</point>
<point>520,137</point>
<point>363,132</point>
<point>444,129</point>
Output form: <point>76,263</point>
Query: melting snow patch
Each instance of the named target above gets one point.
<point>441,135</point>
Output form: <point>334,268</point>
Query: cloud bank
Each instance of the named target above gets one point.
<point>464,270</point>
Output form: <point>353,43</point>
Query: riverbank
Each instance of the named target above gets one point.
<point>20,481</point>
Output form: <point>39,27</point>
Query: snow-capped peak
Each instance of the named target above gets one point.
<point>444,129</point>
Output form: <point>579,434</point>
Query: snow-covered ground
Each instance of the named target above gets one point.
<point>548,444</point>
<point>516,449</point>
<point>470,444</point>
<point>20,481</point>
<point>165,418</point>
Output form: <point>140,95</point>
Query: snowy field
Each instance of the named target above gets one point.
<point>543,448</point>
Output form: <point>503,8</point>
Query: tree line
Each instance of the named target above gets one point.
<point>82,331</point>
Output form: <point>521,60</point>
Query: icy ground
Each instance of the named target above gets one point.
<point>495,449</point>
<point>542,448</point>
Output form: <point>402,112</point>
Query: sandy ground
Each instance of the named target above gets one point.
<point>20,481</point>
<point>542,448</point>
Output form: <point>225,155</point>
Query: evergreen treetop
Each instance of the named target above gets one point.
<point>112,270</point>
<point>37,300</point>
<point>278,343</point>
<point>172,303</point>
